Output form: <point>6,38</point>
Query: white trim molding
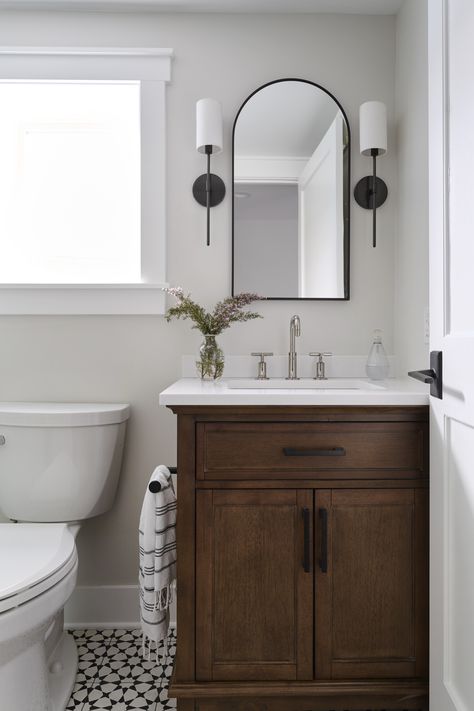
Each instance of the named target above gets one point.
<point>81,299</point>
<point>268,169</point>
<point>106,63</point>
<point>103,606</point>
<point>106,606</point>
<point>108,51</point>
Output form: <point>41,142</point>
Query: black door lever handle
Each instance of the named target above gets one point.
<point>433,376</point>
<point>426,376</point>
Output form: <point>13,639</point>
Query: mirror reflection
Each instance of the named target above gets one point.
<point>291,188</point>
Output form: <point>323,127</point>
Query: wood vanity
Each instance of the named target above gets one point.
<point>302,558</point>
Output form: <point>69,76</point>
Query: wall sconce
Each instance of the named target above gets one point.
<point>371,192</point>
<point>208,189</point>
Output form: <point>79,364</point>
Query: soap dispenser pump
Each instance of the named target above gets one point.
<point>377,366</point>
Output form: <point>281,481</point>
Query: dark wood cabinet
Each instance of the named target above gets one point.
<point>254,597</point>
<point>370,606</point>
<point>302,559</point>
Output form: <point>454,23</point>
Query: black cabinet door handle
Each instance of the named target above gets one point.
<point>323,560</point>
<point>306,540</point>
<point>331,452</point>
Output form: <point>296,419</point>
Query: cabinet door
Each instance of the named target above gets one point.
<point>254,603</point>
<point>371,610</point>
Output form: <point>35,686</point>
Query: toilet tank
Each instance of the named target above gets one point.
<point>59,461</point>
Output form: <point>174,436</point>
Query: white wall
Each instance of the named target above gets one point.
<point>411,97</point>
<point>133,358</point>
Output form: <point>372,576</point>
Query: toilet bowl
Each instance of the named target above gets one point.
<point>37,577</point>
<point>59,465</point>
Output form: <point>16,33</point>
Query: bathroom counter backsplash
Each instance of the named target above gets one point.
<point>245,366</point>
<point>393,391</point>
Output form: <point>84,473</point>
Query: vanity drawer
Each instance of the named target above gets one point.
<point>300,450</point>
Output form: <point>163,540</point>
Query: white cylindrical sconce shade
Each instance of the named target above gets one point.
<point>373,127</point>
<point>208,125</point>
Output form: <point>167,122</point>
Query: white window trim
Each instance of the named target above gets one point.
<point>152,67</point>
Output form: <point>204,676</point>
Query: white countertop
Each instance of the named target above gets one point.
<point>193,391</point>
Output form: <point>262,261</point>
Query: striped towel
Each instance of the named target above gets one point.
<point>157,544</point>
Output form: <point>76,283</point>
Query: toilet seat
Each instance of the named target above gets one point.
<point>35,556</point>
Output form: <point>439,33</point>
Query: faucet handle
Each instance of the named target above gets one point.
<point>262,366</point>
<point>320,365</point>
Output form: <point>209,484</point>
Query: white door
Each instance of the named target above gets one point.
<point>451,119</point>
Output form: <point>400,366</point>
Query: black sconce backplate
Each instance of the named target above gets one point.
<point>217,190</point>
<point>364,194</point>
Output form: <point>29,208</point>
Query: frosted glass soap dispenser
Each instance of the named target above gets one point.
<point>377,367</point>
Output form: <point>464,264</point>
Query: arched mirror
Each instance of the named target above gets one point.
<point>291,179</point>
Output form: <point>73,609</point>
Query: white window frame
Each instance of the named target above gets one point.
<point>152,67</point>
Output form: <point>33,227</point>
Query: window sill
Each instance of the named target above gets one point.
<point>82,299</point>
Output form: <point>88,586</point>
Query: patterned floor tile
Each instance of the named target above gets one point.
<point>126,664</point>
<point>113,674</point>
<point>78,697</point>
<point>164,703</point>
<point>92,649</point>
<point>122,698</point>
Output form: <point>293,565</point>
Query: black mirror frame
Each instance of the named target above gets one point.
<point>346,196</point>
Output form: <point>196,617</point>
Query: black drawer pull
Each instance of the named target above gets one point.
<point>306,540</point>
<point>332,452</point>
<point>323,561</point>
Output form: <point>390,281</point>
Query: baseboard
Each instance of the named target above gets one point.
<point>105,606</point>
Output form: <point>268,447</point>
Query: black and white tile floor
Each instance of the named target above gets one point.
<point>114,675</point>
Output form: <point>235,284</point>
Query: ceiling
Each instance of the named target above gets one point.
<point>285,119</point>
<point>364,7</point>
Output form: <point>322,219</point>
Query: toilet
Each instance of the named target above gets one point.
<point>59,465</point>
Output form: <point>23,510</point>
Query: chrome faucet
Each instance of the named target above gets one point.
<point>295,330</point>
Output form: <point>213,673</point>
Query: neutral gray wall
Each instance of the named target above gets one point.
<point>133,358</point>
<point>411,292</point>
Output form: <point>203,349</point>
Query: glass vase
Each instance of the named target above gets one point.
<point>210,363</point>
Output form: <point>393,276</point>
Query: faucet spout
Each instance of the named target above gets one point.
<point>295,331</point>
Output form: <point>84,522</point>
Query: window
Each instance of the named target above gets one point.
<point>70,182</point>
<point>82,200</point>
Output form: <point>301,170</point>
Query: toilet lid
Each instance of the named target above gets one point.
<point>34,557</point>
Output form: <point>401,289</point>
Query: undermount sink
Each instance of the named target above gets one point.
<point>303,384</point>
